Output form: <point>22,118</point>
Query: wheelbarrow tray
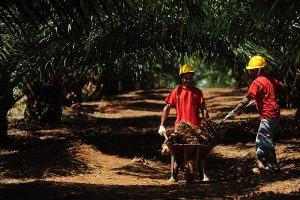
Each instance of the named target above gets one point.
<point>189,151</point>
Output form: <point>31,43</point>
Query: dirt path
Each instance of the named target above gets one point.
<point>111,150</point>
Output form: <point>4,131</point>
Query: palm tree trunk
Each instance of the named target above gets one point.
<point>43,102</point>
<point>110,82</point>
<point>3,125</point>
<point>6,103</point>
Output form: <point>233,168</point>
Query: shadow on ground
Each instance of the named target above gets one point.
<point>52,190</point>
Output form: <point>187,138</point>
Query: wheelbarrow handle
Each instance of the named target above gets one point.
<point>165,135</point>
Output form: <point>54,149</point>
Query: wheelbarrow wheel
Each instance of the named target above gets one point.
<point>190,172</point>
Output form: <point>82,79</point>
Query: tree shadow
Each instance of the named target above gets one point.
<point>40,159</point>
<point>132,145</point>
<point>119,106</point>
<point>288,128</point>
<point>140,95</point>
<point>47,190</point>
<point>142,169</point>
<point>145,106</point>
<point>236,132</point>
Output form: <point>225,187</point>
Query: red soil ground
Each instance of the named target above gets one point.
<point>111,150</point>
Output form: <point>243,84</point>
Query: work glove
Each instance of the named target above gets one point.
<point>162,130</point>
<point>230,114</point>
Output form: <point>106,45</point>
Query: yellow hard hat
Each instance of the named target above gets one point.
<point>256,62</point>
<point>185,69</point>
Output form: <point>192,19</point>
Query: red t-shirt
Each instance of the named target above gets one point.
<point>263,90</point>
<point>187,102</point>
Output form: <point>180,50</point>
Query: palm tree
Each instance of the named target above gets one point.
<point>13,69</point>
<point>118,37</point>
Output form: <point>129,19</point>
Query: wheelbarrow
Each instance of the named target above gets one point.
<point>189,158</point>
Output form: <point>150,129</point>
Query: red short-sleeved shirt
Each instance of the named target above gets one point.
<point>263,90</point>
<point>187,102</point>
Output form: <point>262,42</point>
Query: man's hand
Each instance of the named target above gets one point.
<point>230,114</point>
<point>162,131</point>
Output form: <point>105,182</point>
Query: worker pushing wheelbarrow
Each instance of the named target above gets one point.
<point>188,101</point>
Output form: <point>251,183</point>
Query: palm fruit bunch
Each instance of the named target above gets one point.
<point>209,130</point>
<point>185,133</point>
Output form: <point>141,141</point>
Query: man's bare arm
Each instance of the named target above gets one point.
<point>242,104</point>
<point>204,112</point>
<point>165,114</point>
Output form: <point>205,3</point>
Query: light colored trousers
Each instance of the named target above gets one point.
<point>265,150</point>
